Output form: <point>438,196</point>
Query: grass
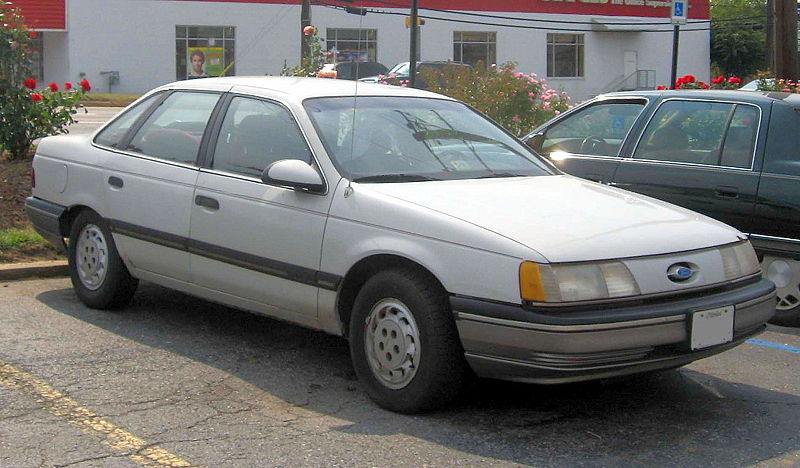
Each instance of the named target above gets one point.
<point>108,100</point>
<point>20,237</point>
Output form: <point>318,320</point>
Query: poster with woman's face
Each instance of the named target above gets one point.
<point>204,61</point>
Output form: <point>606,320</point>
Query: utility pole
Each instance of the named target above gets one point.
<point>412,61</point>
<point>770,33</point>
<point>785,44</point>
<point>305,20</point>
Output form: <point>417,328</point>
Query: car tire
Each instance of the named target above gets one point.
<point>404,344</point>
<point>785,273</point>
<point>99,277</point>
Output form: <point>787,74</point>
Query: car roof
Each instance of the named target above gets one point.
<point>303,88</point>
<point>712,94</point>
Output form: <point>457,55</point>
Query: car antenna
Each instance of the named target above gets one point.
<point>349,190</point>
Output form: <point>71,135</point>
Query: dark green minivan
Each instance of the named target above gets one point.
<point>731,155</point>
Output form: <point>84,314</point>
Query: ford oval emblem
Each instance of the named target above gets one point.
<point>679,272</point>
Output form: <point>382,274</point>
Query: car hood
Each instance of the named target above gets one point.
<point>567,219</point>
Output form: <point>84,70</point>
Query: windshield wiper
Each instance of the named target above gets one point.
<point>497,175</point>
<point>395,178</point>
<point>448,134</point>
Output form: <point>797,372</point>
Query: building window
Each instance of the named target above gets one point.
<point>353,45</point>
<point>36,56</point>
<point>475,47</point>
<point>204,51</point>
<point>565,55</point>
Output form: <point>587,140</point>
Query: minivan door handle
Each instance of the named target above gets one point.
<point>206,202</point>
<point>726,191</point>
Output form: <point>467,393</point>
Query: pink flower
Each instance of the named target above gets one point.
<point>308,30</point>
<point>517,75</point>
<point>787,90</point>
<point>557,112</point>
<point>515,118</point>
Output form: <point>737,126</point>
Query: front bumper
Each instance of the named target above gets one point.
<point>508,342</point>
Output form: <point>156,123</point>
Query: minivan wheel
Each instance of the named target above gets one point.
<point>785,273</point>
<point>99,277</point>
<point>404,344</point>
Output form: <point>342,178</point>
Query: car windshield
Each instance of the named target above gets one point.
<point>399,69</point>
<point>397,139</point>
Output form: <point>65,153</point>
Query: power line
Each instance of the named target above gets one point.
<point>517,26</point>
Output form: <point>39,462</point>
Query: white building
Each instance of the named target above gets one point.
<point>583,46</point>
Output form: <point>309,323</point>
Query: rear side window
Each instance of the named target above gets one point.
<point>598,130</point>
<point>783,141</point>
<point>174,131</point>
<point>116,131</point>
<point>699,132</point>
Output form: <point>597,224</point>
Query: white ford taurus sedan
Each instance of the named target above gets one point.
<point>401,219</point>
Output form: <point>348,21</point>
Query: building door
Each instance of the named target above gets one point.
<point>630,65</point>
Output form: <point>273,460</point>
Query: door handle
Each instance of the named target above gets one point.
<point>115,182</point>
<point>726,191</point>
<point>206,202</point>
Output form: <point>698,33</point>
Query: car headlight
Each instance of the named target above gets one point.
<point>739,260</point>
<point>573,282</point>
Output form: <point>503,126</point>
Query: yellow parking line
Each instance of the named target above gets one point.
<point>68,409</point>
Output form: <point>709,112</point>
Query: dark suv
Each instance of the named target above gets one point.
<point>731,155</point>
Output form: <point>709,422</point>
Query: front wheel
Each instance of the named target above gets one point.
<point>785,273</point>
<point>99,277</point>
<point>404,343</point>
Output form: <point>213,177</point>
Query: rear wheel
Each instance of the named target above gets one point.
<point>100,279</point>
<point>785,273</point>
<point>404,344</point>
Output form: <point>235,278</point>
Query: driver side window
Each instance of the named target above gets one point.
<point>255,134</point>
<point>597,130</point>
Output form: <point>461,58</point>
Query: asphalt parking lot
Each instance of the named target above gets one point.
<point>177,381</point>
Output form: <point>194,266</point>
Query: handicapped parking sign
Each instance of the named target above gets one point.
<point>679,11</point>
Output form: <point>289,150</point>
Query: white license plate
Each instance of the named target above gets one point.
<point>712,327</point>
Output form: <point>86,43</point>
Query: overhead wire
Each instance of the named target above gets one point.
<point>513,18</point>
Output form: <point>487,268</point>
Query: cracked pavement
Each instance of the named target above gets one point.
<point>223,388</point>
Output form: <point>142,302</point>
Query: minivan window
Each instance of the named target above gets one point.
<point>174,131</point>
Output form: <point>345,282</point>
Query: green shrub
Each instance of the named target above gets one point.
<point>25,112</point>
<point>519,102</point>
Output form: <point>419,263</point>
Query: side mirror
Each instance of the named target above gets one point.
<point>535,142</point>
<point>293,173</point>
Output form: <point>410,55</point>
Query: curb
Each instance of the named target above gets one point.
<point>47,269</point>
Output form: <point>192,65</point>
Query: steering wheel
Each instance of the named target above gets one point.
<point>591,144</point>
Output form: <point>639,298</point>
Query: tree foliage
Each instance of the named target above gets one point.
<point>738,39</point>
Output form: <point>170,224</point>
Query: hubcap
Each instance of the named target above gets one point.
<point>91,257</point>
<point>785,273</point>
<point>392,343</point>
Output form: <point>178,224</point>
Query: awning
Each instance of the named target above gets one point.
<point>44,15</point>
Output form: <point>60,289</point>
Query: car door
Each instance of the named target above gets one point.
<point>587,142</point>
<point>149,182</point>
<point>778,205</point>
<point>699,154</point>
<point>250,240</point>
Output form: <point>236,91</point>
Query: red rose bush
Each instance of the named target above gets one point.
<point>27,112</point>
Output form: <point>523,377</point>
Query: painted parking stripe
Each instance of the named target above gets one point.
<point>66,408</point>
<point>770,344</point>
